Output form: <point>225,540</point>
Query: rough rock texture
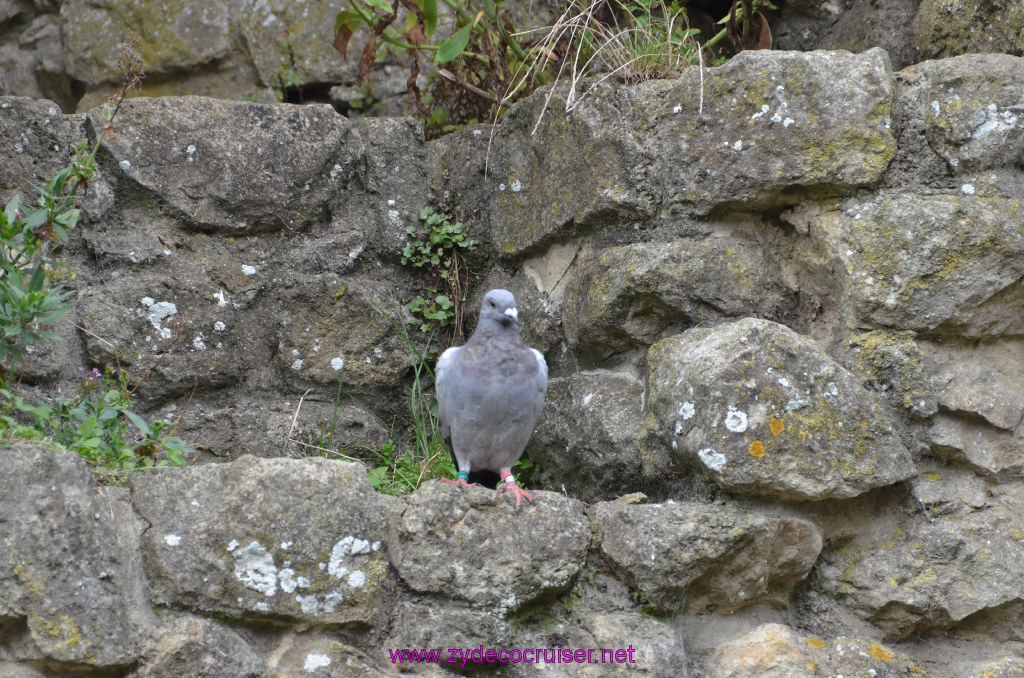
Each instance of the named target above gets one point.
<point>222,542</point>
<point>629,296</point>
<point>943,28</point>
<point>586,442</point>
<point>278,175</point>
<point>971,107</point>
<point>914,262</point>
<point>35,142</point>
<point>926,574</point>
<point>854,25</point>
<point>472,545</point>
<point>846,310</point>
<point>699,558</point>
<point>66,585</point>
<point>195,646</point>
<point>776,651</point>
<point>761,131</point>
<point>175,34</point>
<point>765,411</point>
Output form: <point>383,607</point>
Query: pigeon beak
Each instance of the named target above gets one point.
<point>512,313</point>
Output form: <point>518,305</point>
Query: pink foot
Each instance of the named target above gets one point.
<point>460,482</point>
<point>508,484</point>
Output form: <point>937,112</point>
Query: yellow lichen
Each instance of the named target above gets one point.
<point>776,425</point>
<point>880,653</point>
<point>816,643</point>
<point>756,449</point>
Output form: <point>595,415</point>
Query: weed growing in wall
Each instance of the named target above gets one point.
<point>97,422</point>
<point>483,64</point>
<point>437,245</point>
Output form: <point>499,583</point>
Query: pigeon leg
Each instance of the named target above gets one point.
<point>508,484</point>
<point>461,480</point>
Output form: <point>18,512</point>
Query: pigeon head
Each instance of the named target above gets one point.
<point>499,306</point>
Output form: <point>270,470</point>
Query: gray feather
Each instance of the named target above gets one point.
<point>490,392</point>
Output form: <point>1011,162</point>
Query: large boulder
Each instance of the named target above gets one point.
<point>777,651</point>
<point>957,563</point>
<point>765,129</point>
<point>924,262</point>
<point>70,593</point>
<point>770,128</point>
<point>698,558</point>
<point>471,545</point>
<point>628,296</point>
<point>173,35</point>
<point>587,440</point>
<point>303,540</point>
<point>270,168</point>
<point>765,411</point>
<point>969,110</point>
<point>945,29</point>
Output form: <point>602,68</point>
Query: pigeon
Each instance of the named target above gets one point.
<point>490,394</point>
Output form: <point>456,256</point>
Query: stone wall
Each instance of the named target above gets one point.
<point>783,301</point>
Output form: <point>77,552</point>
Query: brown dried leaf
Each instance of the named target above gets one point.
<point>341,39</point>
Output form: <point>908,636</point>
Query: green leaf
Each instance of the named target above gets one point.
<point>454,46</point>
<point>139,422</point>
<point>382,5</point>
<point>36,219</point>
<point>429,16</point>
<point>35,283</point>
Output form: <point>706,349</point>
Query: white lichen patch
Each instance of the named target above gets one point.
<point>687,410</point>
<point>248,270</point>
<point>736,420</point>
<point>172,539</point>
<point>338,364</point>
<point>124,165</point>
<point>713,460</point>
<point>158,311</point>
<point>967,189</point>
<point>313,606</point>
<point>289,582</point>
<point>315,661</point>
<point>219,327</point>
<point>357,579</point>
<point>255,568</point>
<point>297,365</point>
<point>198,343</point>
<point>516,186</point>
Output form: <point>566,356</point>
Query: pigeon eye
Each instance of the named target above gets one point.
<point>493,305</point>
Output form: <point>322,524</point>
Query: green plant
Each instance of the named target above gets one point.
<point>643,40</point>
<point>493,65</point>
<point>424,455</point>
<point>482,56</point>
<point>27,305</point>
<point>368,103</point>
<point>286,76</point>
<point>95,423</point>
<point>436,246</point>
